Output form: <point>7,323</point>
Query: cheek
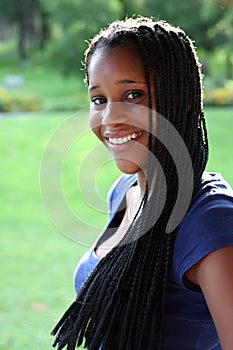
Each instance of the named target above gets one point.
<point>95,123</point>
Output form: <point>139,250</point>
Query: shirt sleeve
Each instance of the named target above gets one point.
<point>206,227</point>
<point>117,191</point>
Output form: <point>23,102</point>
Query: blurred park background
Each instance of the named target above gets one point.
<point>41,86</point>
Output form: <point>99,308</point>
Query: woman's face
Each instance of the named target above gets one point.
<point>118,106</point>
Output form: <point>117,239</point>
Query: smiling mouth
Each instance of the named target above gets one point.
<point>125,139</point>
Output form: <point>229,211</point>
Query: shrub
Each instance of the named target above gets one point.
<point>17,102</point>
<point>4,100</point>
<point>220,96</point>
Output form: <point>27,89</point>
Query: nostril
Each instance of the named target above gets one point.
<point>114,113</point>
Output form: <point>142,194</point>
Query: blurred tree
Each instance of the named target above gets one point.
<point>30,21</point>
<point>179,12</point>
<point>130,7</point>
<point>212,14</point>
<point>74,22</point>
<point>208,22</point>
<point>69,23</point>
<point>194,16</point>
<point>223,30</point>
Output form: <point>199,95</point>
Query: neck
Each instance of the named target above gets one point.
<point>141,182</point>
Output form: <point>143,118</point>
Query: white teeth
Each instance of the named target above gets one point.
<point>119,141</point>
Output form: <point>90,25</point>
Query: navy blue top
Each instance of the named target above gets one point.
<point>207,226</point>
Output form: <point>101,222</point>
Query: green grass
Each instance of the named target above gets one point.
<point>55,91</point>
<point>220,126</point>
<point>31,289</point>
<point>37,260</point>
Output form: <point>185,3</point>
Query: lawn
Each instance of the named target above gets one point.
<point>38,258</point>
<point>220,126</point>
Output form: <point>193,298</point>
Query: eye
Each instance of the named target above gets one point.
<point>98,100</point>
<point>133,95</point>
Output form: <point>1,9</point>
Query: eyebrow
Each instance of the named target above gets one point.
<point>122,81</point>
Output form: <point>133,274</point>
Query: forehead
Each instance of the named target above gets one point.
<point>120,60</point>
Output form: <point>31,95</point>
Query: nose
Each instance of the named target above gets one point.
<point>114,113</point>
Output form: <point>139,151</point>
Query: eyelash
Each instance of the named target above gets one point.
<point>100,100</point>
<point>137,93</point>
<point>95,99</point>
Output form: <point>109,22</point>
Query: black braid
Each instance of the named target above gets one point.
<point>121,306</point>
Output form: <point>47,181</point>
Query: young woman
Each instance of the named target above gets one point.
<point>161,275</point>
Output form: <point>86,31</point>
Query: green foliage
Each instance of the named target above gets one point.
<point>65,25</point>
<point>4,99</point>
<point>201,19</point>
<point>178,12</point>
<point>18,101</point>
<point>75,23</point>
<point>220,96</point>
<point>130,7</point>
<point>212,14</point>
<point>8,9</point>
<point>208,22</point>
<point>27,21</point>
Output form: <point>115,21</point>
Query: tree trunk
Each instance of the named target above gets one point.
<point>22,39</point>
<point>229,66</point>
<point>44,30</point>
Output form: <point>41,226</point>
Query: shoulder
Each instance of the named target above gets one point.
<point>212,185</point>
<point>212,203</point>
<point>208,224</point>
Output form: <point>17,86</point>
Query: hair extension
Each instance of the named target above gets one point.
<point>121,305</point>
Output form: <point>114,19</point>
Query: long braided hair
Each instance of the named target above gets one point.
<point>121,305</point>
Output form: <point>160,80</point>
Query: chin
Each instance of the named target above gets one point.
<point>126,166</point>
